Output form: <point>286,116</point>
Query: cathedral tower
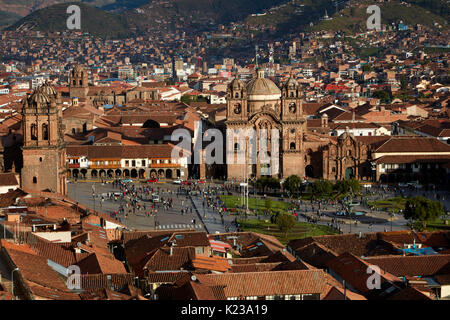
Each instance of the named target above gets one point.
<point>44,153</point>
<point>78,82</point>
<point>293,128</point>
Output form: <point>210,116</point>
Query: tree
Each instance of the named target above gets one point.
<point>285,223</point>
<point>383,95</point>
<point>273,183</point>
<point>346,186</point>
<point>423,210</point>
<point>321,188</point>
<point>292,184</point>
<point>268,205</point>
<point>403,83</point>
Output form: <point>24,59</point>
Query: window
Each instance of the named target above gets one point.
<point>133,163</point>
<point>349,152</point>
<point>127,163</point>
<point>34,180</point>
<point>236,147</point>
<point>199,250</point>
<point>40,159</point>
<point>333,169</point>
<point>143,163</point>
<point>292,146</point>
<point>33,132</point>
<point>44,131</point>
<point>236,95</point>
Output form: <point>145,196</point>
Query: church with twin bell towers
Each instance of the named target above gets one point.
<point>260,104</point>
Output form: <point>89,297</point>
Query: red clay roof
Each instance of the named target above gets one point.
<point>268,283</point>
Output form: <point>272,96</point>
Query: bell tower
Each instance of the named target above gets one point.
<point>44,152</point>
<point>293,127</point>
<point>78,82</point>
<point>237,101</point>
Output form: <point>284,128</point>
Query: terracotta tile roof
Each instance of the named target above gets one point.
<point>50,293</point>
<point>339,244</point>
<point>415,144</point>
<point>337,293</point>
<point>97,282</point>
<point>411,265</point>
<point>245,261</point>
<point>105,294</point>
<point>315,254</point>
<point>354,271</point>
<point>8,179</point>
<point>414,159</point>
<point>213,263</point>
<point>137,250</point>
<point>193,239</point>
<point>162,260</point>
<point>97,263</point>
<point>34,268</point>
<point>9,198</point>
<point>61,253</point>
<point>164,277</point>
<point>256,267</point>
<point>268,283</point>
<point>409,294</point>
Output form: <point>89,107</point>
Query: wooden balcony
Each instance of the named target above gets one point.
<point>105,166</point>
<point>165,165</point>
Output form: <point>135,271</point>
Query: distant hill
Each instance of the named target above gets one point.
<point>93,20</point>
<point>354,18</point>
<point>12,11</point>
<point>297,15</point>
<point>7,18</point>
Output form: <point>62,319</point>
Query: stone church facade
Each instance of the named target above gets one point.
<point>260,105</point>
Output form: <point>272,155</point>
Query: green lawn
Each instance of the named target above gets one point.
<point>253,204</point>
<point>301,229</point>
<point>392,204</point>
<point>437,225</point>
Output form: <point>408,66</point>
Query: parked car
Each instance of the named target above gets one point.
<point>178,181</point>
<point>201,181</point>
<point>152,180</point>
<point>155,198</point>
<point>186,183</point>
<point>127,180</point>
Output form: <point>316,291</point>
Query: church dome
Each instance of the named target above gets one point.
<point>291,83</point>
<point>262,89</point>
<point>236,84</point>
<point>78,68</point>
<point>48,90</point>
<point>38,97</point>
